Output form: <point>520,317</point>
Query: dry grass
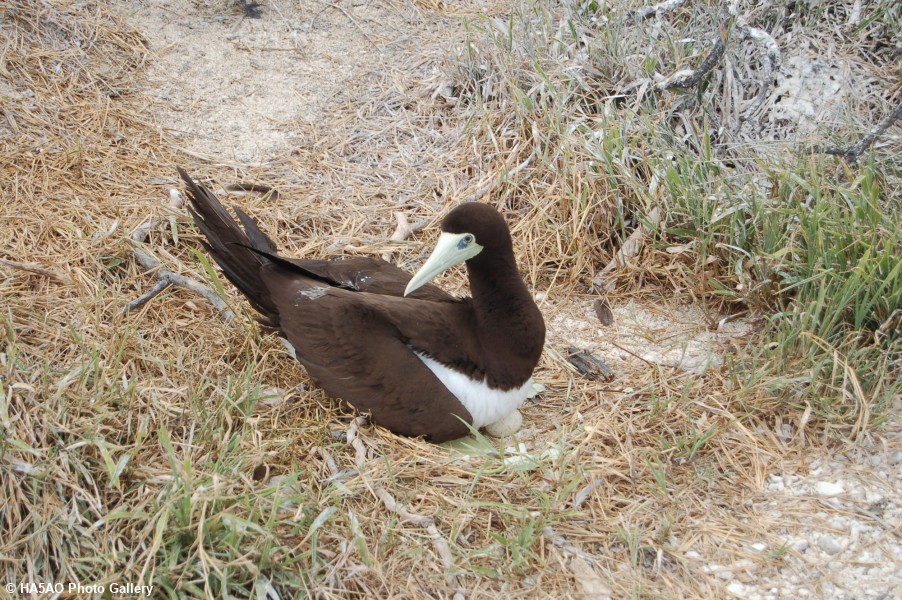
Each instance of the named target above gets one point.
<point>132,445</point>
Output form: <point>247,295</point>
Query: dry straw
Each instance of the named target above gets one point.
<point>133,443</point>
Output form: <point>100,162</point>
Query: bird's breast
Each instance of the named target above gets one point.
<point>485,404</point>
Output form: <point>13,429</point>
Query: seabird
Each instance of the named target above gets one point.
<point>418,360</point>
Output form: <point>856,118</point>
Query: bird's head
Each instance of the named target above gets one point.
<point>469,231</point>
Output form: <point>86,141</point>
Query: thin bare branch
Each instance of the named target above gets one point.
<point>658,10</point>
<point>37,269</point>
<point>152,264</point>
<point>689,78</point>
<point>853,153</point>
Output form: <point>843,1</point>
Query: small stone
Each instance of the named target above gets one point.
<point>800,545</point>
<point>725,574</point>
<point>758,547</point>
<point>825,488</point>
<point>273,396</point>
<point>872,497</point>
<point>829,545</point>
<point>737,589</point>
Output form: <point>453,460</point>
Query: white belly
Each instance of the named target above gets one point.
<point>485,405</point>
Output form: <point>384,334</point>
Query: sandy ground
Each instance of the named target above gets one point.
<point>240,91</point>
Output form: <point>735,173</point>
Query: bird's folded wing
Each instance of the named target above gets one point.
<point>373,275</point>
<point>361,348</point>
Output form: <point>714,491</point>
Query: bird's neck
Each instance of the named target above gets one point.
<point>495,285</point>
<point>508,320</point>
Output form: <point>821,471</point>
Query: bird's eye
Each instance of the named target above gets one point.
<point>468,239</point>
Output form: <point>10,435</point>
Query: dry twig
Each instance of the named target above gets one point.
<point>37,269</point>
<point>688,78</point>
<point>774,58</point>
<point>589,365</point>
<point>405,229</point>
<point>165,276</point>
<point>657,10</point>
<point>853,153</point>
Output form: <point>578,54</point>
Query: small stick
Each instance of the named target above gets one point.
<point>589,365</point>
<point>37,269</point>
<point>774,58</point>
<point>689,78</point>
<point>146,296</point>
<point>657,10</point>
<point>151,263</point>
<point>256,188</point>
<point>853,153</point>
<point>631,353</point>
<point>404,230</point>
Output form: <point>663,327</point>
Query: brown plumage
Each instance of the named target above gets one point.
<point>361,339</point>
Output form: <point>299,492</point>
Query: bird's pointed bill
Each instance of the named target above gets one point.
<point>451,249</point>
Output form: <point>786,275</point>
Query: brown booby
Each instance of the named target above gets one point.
<point>418,360</point>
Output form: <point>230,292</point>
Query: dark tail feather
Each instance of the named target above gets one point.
<point>231,246</point>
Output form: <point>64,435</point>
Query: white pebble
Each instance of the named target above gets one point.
<point>839,523</point>
<point>829,545</point>
<point>745,563</point>
<point>737,589</point>
<point>825,488</point>
<point>872,497</point>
